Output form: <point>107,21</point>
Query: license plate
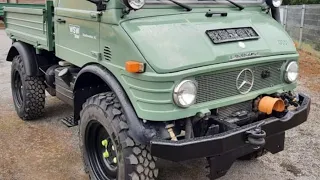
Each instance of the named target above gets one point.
<point>232,34</point>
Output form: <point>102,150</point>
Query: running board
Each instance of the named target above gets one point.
<point>69,121</point>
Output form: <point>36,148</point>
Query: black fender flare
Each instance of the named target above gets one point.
<point>28,55</point>
<point>137,130</point>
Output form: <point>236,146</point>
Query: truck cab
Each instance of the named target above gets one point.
<point>174,79</point>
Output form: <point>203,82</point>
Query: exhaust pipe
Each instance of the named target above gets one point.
<point>268,104</point>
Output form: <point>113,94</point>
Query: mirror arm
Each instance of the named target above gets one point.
<point>276,14</point>
<point>101,4</point>
<point>125,11</point>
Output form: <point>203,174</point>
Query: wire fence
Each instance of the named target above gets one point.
<point>302,22</point>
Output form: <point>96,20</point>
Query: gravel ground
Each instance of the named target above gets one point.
<point>46,149</point>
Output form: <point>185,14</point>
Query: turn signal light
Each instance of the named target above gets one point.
<point>134,67</point>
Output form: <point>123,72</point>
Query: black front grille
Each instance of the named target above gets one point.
<point>218,85</point>
<point>225,112</point>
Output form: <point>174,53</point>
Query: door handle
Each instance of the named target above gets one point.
<point>61,20</point>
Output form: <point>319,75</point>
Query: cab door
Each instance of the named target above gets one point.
<point>77,31</point>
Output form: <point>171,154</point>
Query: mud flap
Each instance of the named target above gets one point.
<point>219,165</point>
<point>275,143</point>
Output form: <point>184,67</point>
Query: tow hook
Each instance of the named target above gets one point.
<point>256,136</point>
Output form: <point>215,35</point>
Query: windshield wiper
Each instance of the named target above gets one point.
<point>188,8</point>
<point>236,4</point>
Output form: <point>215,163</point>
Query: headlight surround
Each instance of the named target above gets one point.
<point>292,72</point>
<point>135,4</point>
<point>185,93</point>
<point>274,3</point>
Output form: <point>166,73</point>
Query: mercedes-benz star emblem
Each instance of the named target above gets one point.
<point>245,80</point>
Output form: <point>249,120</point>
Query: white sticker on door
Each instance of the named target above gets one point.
<point>75,30</point>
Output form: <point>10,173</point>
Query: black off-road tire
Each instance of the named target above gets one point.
<point>134,160</point>
<point>253,155</point>
<point>30,102</point>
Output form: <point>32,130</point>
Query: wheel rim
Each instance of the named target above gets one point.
<point>101,151</point>
<point>17,89</point>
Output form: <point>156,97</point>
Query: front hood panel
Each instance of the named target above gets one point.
<point>177,42</point>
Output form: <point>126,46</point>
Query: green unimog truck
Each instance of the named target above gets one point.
<point>148,79</point>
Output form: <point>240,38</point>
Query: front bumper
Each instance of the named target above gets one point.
<point>233,142</point>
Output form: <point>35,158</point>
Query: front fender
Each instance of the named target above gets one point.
<point>136,129</point>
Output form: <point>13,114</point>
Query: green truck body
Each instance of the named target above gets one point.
<point>173,45</point>
<point>164,45</point>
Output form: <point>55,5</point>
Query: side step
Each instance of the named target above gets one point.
<point>69,121</point>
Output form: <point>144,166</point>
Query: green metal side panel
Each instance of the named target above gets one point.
<point>31,24</point>
<point>77,40</point>
<point>2,5</point>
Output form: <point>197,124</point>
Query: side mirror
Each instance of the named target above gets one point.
<point>101,4</point>
<point>134,4</point>
<point>275,10</point>
<point>274,3</point>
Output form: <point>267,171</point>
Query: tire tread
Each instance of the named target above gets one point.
<point>35,92</point>
<point>132,151</point>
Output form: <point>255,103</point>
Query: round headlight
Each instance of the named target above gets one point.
<point>135,4</point>
<point>292,72</point>
<point>274,3</point>
<point>185,93</point>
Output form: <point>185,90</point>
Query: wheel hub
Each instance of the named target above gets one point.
<point>109,154</point>
<point>102,153</point>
